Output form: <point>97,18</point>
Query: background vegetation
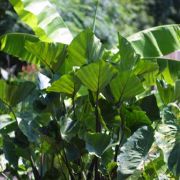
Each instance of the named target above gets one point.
<point>99,107</point>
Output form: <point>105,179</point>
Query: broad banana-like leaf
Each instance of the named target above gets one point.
<point>44,19</point>
<point>96,76</point>
<point>167,137</point>
<point>134,151</point>
<point>14,44</point>
<point>51,55</point>
<point>14,92</point>
<point>97,143</point>
<point>85,48</point>
<point>125,85</point>
<point>156,41</point>
<point>29,48</point>
<point>66,84</point>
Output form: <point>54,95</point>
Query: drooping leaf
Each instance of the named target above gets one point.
<point>127,54</point>
<point>66,84</point>
<point>51,55</point>
<point>134,151</point>
<point>14,92</point>
<point>167,137</point>
<point>156,41</point>
<point>85,48</point>
<point>14,44</point>
<point>125,85</point>
<point>96,143</point>
<point>30,49</point>
<point>44,19</point>
<point>96,75</point>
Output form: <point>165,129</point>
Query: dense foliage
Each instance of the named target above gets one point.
<point>80,111</point>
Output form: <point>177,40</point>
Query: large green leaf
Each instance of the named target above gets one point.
<point>125,85</point>
<point>29,48</point>
<point>51,55</point>
<point>14,92</point>
<point>157,41</point>
<point>14,44</point>
<point>134,118</point>
<point>44,19</point>
<point>167,137</point>
<point>96,75</point>
<point>85,48</point>
<point>134,151</point>
<point>144,67</point>
<point>127,54</point>
<point>66,84</point>
<point>97,143</point>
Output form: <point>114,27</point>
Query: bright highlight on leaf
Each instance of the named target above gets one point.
<point>44,19</point>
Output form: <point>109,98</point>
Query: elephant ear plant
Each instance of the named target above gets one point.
<point>104,114</point>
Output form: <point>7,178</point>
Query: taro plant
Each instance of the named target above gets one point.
<point>97,113</point>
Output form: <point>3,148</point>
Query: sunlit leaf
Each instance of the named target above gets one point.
<point>157,41</point>
<point>66,84</point>
<point>125,85</point>
<point>127,54</point>
<point>96,75</point>
<point>30,49</point>
<point>14,44</point>
<point>44,19</point>
<point>85,48</point>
